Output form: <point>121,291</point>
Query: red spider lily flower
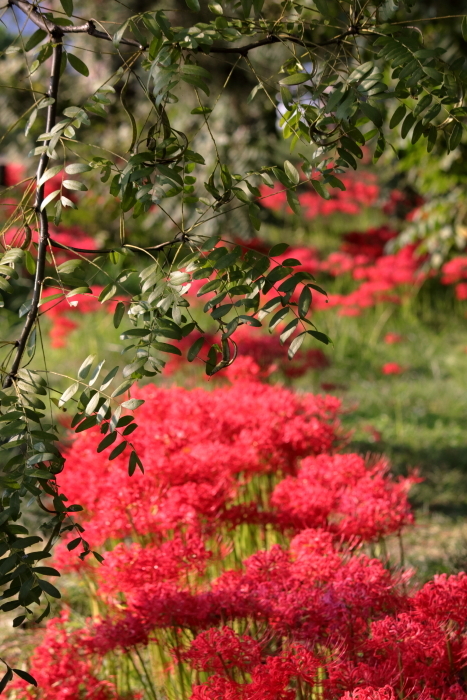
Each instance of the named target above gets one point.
<point>392,368</point>
<point>393,338</point>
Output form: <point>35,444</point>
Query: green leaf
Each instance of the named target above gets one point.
<point>46,571</point>
<point>67,6</point>
<point>432,113</point>
<point>253,213</point>
<point>30,122</point>
<point>193,5</point>
<point>118,314</point>
<point>107,293</point>
<point>304,302</point>
<point>108,378</point>
<point>86,366</point>
<point>76,292</point>
<point>133,462</point>
<point>322,337</point>
<point>221,311</point>
<point>132,404</point>
<point>195,349</point>
<point>295,79</point>
<point>74,185</point>
<point>30,263</point>
<point>361,72</point>
<point>107,441</point>
<point>50,173</point>
<point>277,318</point>
<point>117,37</point>
<point>195,81</point>
<point>35,39</point>
<point>9,674</point>
<point>407,124</point>
<point>66,396</point>
<point>209,287</point>
<point>327,8</point>
<point>65,202</point>
<point>295,345</point>
<point>435,75</point>
<point>24,542</point>
<point>398,116</point>
<point>278,249</point>
<point>333,101</point>
<point>293,202</point>
<point>124,386</point>
<point>417,132</point>
<point>320,189</point>
<point>351,146</point>
<point>291,172</point>
<point>49,199</point>
<point>96,373</point>
<point>75,168</point>
<point>44,614</point>
<point>372,113</point>
<point>166,347</point>
<point>335,182</point>
<point>422,104</point>
<point>288,330</point>
<point>456,136</point>
<point>201,110</point>
<point>47,587</point>
<point>118,450</point>
<point>19,621</point>
<point>87,423</point>
<point>92,403</point>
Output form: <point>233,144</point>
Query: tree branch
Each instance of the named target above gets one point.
<point>44,222</point>
<point>97,251</point>
<point>56,30</point>
<point>276,38</point>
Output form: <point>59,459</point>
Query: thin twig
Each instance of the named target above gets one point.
<point>98,251</point>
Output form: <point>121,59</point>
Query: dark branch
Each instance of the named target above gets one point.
<point>58,31</point>
<point>97,251</point>
<point>274,39</point>
<point>44,222</point>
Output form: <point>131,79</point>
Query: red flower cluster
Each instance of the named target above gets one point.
<point>346,496</point>
<point>201,449</point>
<point>64,669</point>
<point>455,272</point>
<point>382,274</point>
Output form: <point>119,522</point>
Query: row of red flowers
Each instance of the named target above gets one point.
<point>237,567</point>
